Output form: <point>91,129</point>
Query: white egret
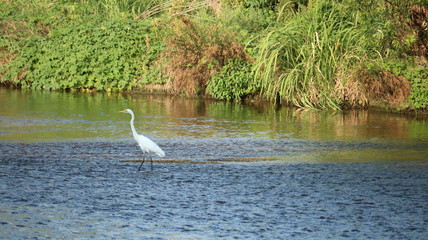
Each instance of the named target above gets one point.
<point>147,145</point>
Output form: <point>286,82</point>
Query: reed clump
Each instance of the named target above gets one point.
<point>301,61</point>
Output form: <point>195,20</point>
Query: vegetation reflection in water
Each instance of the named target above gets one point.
<point>41,116</point>
<point>31,116</point>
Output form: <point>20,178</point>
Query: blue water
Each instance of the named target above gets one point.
<point>70,193</point>
<point>65,171</point>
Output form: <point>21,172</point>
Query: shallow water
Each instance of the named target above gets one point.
<point>65,174</point>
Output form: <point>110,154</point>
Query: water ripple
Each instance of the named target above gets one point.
<point>84,190</point>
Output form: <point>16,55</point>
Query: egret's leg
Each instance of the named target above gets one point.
<point>151,163</point>
<point>144,159</point>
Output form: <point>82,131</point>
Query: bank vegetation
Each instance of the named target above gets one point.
<point>321,54</point>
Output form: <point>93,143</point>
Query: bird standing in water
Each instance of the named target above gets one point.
<point>147,145</point>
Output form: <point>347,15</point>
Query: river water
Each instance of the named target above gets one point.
<point>68,170</point>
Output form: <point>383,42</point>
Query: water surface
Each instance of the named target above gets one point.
<point>65,174</point>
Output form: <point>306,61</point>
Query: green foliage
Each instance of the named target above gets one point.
<point>419,93</point>
<point>260,3</point>
<point>77,10</point>
<point>268,4</point>
<point>386,25</point>
<point>306,51</point>
<point>248,21</point>
<point>114,9</point>
<point>300,60</point>
<point>234,82</point>
<point>105,56</point>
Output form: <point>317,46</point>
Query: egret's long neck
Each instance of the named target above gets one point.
<point>134,132</point>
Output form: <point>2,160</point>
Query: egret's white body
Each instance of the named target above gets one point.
<point>147,145</point>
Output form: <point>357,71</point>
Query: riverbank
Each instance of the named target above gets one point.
<point>316,54</point>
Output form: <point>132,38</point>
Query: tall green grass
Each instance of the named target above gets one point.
<point>301,58</point>
<point>72,10</point>
<point>120,8</point>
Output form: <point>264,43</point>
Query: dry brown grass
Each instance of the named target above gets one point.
<point>195,53</point>
<point>179,8</point>
<point>419,25</point>
<point>351,91</point>
<point>386,87</point>
<point>361,88</point>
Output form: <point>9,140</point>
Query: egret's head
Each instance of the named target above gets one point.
<point>126,111</point>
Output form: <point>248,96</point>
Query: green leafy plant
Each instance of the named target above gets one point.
<point>105,56</point>
<point>234,82</point>
<point>419,91</point>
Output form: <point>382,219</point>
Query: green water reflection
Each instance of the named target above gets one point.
<point>38,116</point>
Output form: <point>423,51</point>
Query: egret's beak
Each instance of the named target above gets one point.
<point>123,111</point>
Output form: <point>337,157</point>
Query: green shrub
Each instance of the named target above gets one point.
<point>419,92</point>
<point>234,82</point>
<point>269,4</point>
<point>104,55</point>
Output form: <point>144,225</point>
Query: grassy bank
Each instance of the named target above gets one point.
<point>307,53</point>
